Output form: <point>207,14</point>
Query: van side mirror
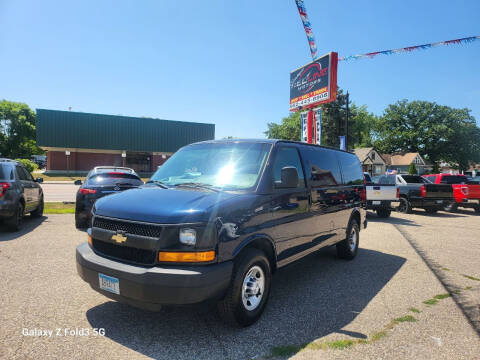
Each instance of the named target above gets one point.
<point>289,176</point>
<point>77,182</point>
<point>39,180</point>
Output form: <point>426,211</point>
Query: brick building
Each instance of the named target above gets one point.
<point>77,141</point>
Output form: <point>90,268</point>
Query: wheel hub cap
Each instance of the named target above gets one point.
<point>253,287</point>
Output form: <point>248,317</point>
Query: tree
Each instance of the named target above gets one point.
<point>360,131</point>
<point>289,129</point>
<point>440,133</point>
<point>17,130</point>
<point>412,170</point>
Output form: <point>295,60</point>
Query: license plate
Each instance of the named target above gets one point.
<point>109,283</point>
<point>439,201</point>
<point>376,202</point>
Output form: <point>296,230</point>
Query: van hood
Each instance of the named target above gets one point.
<point>165,206</point>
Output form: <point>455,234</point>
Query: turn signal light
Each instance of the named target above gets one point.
<point>87,191</point>
<point>202,256</point>
<point>90,240</point>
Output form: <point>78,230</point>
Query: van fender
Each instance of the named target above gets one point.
<point>258,239</point>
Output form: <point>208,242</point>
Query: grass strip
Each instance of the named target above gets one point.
<point>59,208</point>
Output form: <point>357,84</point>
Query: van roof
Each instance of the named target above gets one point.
<point>268,141</point>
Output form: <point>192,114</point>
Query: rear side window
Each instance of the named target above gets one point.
<point>413,179</point>
<point>322,166</point>
<point>288,156</point>
<point>454,179</point>
<point>113,178</point>
<point>6,172</point>
<point>351,169</point>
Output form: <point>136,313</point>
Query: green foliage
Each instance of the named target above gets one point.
<point>289,129</point>
<point>361,124</point>
<point>412,170</point>
<point>29,165</point>
<point>17,130</point>
<point>440,133</point>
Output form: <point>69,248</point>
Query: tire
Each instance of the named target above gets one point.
<point>38,212</point>
<point>383,213</point>
<point>80,223</point>
<point>233,308</point>
<point>477,209</point>
<point>452,207</point>
<point>15,222</point>
<point>405,207</point>
<point>348,248</point>
<point>431,210</point>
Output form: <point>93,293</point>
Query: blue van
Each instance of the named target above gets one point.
<point>218,219</point>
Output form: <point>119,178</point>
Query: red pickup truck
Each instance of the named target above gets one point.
<point>466,193</point>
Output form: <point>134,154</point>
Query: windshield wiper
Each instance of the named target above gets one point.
<point>158,183</point>
<point>197,185</point>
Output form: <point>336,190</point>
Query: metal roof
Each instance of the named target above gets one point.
<point>76,130</point>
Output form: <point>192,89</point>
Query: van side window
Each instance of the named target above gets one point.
<point>288,156</point>
<point>323,168</point>
<point>351,169</point>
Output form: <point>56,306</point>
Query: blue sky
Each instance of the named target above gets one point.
<point>228,62</point>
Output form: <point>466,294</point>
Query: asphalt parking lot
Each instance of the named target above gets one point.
<point>403,262</point>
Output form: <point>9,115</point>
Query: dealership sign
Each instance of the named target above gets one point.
<point>314,83</point>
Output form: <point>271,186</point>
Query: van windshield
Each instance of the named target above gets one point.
<point>229,166</point>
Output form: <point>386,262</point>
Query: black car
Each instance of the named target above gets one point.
<point>218,219</point>
<point>101,181</point>
<point>19,194</point>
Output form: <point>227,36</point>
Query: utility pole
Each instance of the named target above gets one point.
<point>346,124</point>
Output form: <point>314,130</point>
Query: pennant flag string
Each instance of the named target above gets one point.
<point>371,55</point>
<point>308,27</point>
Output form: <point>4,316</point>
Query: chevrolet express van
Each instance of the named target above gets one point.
<point>218,219</point>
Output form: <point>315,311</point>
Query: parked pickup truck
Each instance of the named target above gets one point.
<point>381,196</point>
<point>417,192</point>
<point>465,191</point>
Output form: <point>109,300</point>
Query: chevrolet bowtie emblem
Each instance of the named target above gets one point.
<point>119,238</point>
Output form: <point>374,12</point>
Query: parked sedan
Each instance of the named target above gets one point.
<point>101,181</point>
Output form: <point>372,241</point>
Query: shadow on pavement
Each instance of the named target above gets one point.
<point>437,214</point>
<point>29,224</point>
<point>312,298</point>
<point>393,220</point>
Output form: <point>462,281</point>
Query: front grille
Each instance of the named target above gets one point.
<point>139,256</point>
<point>129,227</point>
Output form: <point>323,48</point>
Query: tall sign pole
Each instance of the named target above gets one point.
<point>346,124</point>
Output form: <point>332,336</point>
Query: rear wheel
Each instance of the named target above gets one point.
<point>404,207</point>
<point>249,289</point>
<point>16,221</point>
<point>348,248</point>
<point>383,213</point>
<point>452,207</point>
<point>38,212</point>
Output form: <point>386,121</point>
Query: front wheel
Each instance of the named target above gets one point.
<point>249,289</point>
<point>38,212</point>
<point>348,248</point>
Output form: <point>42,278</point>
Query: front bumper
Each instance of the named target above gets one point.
<point>468,203</point>
<point>150,288</point>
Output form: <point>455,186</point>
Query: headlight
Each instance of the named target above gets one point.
<point>188,236</point>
